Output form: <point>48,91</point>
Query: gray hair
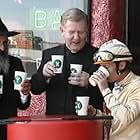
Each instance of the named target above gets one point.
<point>74,14</point>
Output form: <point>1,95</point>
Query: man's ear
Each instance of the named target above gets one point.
<point>61,28</point>
<point>122,65</point>
<point>62,31</point>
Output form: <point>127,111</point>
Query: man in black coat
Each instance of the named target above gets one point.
<point>10,99</point>
<point>62,89</point>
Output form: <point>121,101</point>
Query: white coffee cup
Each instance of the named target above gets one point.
<point>81,105</point>
<point>1,84</point>
<point>102,70</point>
<point>20,76</point>
<point>75,68</point>
<point>57,60</point>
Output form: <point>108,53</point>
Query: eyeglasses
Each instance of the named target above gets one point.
<point>4,43</point>
<point>107,56</point>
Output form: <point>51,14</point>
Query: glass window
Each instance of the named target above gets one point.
<point>38,23</point>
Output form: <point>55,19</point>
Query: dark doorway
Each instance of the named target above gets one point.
<point>134,31</point>
<point>134,22</point>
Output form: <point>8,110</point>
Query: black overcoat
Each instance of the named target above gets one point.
<point>10,99</point>
<point>60,97</point>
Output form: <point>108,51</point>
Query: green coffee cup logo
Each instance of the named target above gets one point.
<point>18,79</point>
<point>57,63</point>
<point>73,70</point>
<point>78,105</point>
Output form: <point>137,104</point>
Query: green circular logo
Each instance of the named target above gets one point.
<point>57,63</point>
<point>18,79</point>
<point>73,70</point>
<point>78,105</point>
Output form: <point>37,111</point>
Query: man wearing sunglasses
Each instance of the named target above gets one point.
<point>10,99</point>
<point>123,100</point>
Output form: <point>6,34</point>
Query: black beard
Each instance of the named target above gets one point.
<point>4,62</point>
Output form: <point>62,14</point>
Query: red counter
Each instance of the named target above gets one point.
<point>56,128</point>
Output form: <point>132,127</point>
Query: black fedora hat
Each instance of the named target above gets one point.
<point>4,31</point>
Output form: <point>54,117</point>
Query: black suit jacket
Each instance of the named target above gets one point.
<point>10,99</point>
<point>61,95</point>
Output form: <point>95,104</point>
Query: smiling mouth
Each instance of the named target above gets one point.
<point>75,43</point>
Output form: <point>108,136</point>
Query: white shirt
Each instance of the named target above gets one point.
<point>23,97</point>
<point>124,104</point>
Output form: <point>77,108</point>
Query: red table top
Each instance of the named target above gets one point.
<point>53,118</point>
<point>56,127</point>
